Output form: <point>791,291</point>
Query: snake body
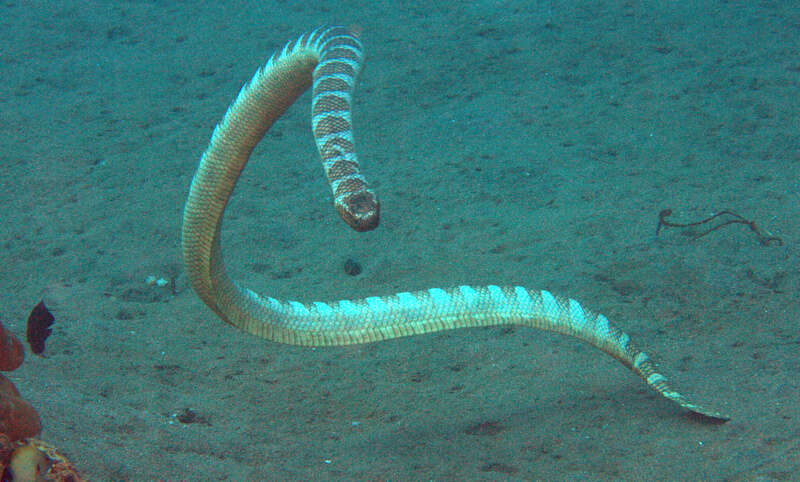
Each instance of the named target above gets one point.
<point>330,59</point>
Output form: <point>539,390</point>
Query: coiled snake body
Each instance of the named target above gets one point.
<point>330,58</point>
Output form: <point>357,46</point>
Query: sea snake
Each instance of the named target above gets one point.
<point>330,58</point>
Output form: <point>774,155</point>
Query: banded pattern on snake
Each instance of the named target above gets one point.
<point>330,58</point>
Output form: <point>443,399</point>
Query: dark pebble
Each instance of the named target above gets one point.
<point>352,267</point>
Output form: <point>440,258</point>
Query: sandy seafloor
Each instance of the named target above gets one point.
<point>512,142</point>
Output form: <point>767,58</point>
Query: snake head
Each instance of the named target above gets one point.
<point>360,210</point>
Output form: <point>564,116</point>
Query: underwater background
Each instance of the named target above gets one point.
<point>510,142</point>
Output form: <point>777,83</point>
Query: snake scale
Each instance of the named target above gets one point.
<point>329,59</point>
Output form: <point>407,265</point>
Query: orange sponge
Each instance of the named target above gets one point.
<point>11,352</point>
<point>18,419</point>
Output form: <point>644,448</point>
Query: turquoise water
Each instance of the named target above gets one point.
<point>530,143</point>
